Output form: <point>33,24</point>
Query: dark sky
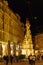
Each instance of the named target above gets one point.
<point>30,9</point>
<point>19,6</point>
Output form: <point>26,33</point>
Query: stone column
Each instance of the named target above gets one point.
<point>19,50</point>
<point>14,49</point>
<point>9,50</point>
<point>0,49</point>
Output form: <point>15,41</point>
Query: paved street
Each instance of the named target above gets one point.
<point>22,63</point>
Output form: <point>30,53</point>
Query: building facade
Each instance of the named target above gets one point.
<point>11,30</point>
<point>38,41</point>
<point>38,44</point>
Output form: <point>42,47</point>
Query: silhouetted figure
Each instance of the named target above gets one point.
<point>11,59</point>
<point>30,59</point>
<point>6,58</point>
<point>42,57</point>
<point>34,59</point>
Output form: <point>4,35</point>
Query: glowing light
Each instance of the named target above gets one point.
<point>12,46</point>
<point>23,51</point>
<point>17,47</point>
<point>11,52</point>
<point>3,51</point>
<point>36,51</point>
<point>17,53</point>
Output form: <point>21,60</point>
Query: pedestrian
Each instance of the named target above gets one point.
<point>30,59</point>
<point>6,58</point>
<point>34,59</point>
<point>11,59</point>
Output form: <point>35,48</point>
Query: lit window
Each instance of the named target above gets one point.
<point>23,51</point>
<point>3,51</point>
<point>11,52</point>
<point>17,53</point>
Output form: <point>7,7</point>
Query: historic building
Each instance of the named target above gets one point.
<point>38,41</point>
<point>11,29</point>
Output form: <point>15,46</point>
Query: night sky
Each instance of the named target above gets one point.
<point>30,9</point>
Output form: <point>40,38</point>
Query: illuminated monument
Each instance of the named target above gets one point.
<point>27,46</point>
